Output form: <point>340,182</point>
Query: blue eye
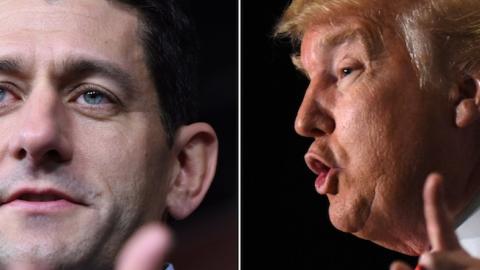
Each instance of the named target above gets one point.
<point>6,96</point>
<point>2,94</point>
<point>94,97</point>
<point>94,101</point>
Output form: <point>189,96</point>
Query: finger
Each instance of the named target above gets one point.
<point>146,249</point>
<point>458,259</point>
<point>26,266</point>
<point>398,265</point>
<point>445,260</point>
<point>439,226</point>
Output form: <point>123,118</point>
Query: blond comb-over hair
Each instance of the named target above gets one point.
<point>441,36</point>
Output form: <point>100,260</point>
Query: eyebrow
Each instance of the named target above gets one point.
<point>336,39</point>
<point>77,67</point>
<point>84,67</point>
<point>342,37</point>
<point>11,65</point>
<point>297,63</point>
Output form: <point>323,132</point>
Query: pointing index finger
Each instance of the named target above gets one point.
<point>440,229</point>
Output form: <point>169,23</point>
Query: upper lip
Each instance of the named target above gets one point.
<point>17,193</point>
<point>317,162</point>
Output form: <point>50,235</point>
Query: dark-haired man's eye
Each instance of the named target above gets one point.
<point>6,96</point>
<point>93,97</point>
<point>2,94</point>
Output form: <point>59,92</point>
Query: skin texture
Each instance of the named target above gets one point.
<point>107,149</point>
<point>382,133</point>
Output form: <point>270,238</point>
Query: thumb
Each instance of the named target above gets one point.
<point>398,265</point>
<point>146,249</point>
<point>440,229</point>
<point>26,266</point>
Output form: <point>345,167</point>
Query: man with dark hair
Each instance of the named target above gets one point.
<point>98,132</point>
<point>394,96</point>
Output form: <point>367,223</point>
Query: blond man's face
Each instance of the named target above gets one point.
<point>376,134</point>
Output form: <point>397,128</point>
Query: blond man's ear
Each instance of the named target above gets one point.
<point>195,149</point>
<point>467,100</point>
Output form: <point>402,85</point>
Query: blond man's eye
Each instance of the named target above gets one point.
<point>346,71</point>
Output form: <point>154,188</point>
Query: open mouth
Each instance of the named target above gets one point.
<point>39,197</point>
<point>327,176</point>
<point>317,167</point>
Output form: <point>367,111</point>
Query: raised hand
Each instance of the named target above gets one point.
<point>446,252</point>
<point>146,249</point>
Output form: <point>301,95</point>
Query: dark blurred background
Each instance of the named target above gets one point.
<point>207,240</point>
<point>285,222</point>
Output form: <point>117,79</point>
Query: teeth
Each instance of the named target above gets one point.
<point>39,197</point>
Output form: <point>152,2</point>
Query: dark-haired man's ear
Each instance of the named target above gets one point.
<point>467,100</point>
<point>195,149</point>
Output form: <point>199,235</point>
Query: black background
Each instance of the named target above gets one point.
<point>285,222</point>
<point>207,240</point>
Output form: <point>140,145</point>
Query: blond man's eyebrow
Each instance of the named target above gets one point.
<point>337,39</point>
<point>298,64</point>
<point>364,36</point>
<point>342,37</point>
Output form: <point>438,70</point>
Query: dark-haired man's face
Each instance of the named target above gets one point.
<point>83,158</point>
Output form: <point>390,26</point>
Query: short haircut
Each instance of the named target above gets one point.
<point>171,50</point>
<point>441,36</point>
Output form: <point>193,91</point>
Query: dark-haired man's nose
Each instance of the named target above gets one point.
<point>38,137</point>
<point>312,119</point>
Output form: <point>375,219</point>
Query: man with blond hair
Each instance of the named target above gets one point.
<point>393,108</point>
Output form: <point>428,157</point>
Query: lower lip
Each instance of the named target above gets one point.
<point>324,183</point>
<point>41,206</point>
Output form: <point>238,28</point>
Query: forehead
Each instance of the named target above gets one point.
<point>95,28</point>
<point>99,15</point>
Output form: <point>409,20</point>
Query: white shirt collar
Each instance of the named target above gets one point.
<point>468,228</point>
